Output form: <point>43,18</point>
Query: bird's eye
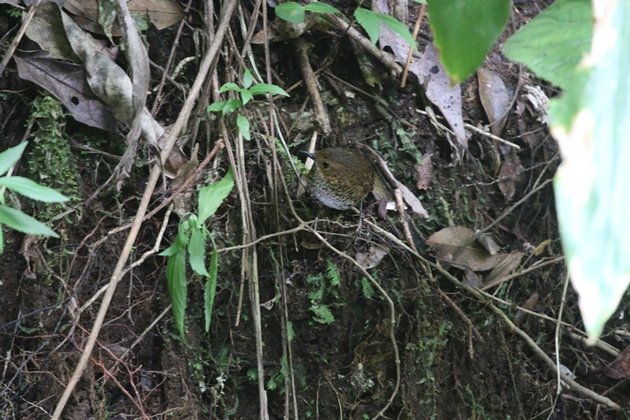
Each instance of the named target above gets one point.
<point>325,165</point>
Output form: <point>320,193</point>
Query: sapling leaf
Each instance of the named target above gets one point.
<point>290,11</point>
<point>243,126</point>
<point>211,196</point>
<point>197,249</point>
<point>321,8</point>
<point>229,87</point>
<point>248,79</point>
<point>10,157</point>
<point>32,189</point>
<point>211,288</point>
<point>264,88</point>
<point>22,222</point>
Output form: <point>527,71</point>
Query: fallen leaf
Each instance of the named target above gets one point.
<point>509,175</point>
<point>457,246</point>
<point>162,13</point>
<point>504,268</point>
<point>430,73</point>
<point>495,99</point>
<point>488,241</point>
<point>412,201</point>
<point>620,367</point>
<point>47,31</point>
<point>424,172</point>
<point>67,83</point>
<point>108,81</point>
<point>372,258</point>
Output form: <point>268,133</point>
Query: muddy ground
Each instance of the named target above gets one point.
<point>330,347</point>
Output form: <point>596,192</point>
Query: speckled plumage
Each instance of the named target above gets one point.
<point>341,177</point>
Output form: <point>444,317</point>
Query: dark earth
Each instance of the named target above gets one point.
<point>327,330</point>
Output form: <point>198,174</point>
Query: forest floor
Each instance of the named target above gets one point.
<point>357,314</point>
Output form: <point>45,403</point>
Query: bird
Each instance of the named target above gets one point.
<point>341,177</point>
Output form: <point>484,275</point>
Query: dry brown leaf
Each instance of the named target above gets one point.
<point>509,175</point>
<point>495,99</point>
<point>372,258</point>
<point>457,245</point>
<point>620,367</point>
<point>424,172</point>
<point>66,82</point>
<point>505,267</point>
<point>47,31</point>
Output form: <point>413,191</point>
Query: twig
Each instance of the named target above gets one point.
<point>321,116</point>
<point>146,197</point>
<point>416,29</point>
<point>491,136</point>
<point>18,37</point>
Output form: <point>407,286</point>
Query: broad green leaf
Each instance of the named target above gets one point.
<point>216,106</point>
<point>22,222</point>
<point>181,241</point>
<point>211,196</point>
<point>321,8</point>
<point>197,250</point>
<point>231,106</point>
<point>264,88</point>
<point>1,240</point>
<point>177,287</point>
<point>591,185</point>
<point>210,290</point>
<point>9,157</point>
<point>464,32</point>
<point>243,126</point>
<point>246,96</point>
<point>248,79</point>
<point>32,189</point>
<point>369,21</point>
<point>554,42</point>
<point>229,87</point>
<point>290,11</point>
<point>398,27</point>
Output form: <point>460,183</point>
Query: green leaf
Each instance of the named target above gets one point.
<point>369,21</point>
<point>464,32</point>
<point>197,250</point>
<point>210,290</point>
<point>398,27</point>
<point>264,88</point>
<point>290,11</point>
<point>243,126</point>
<point>246,96</point>
<point>321,8</point>
<point>231,106</point>
<point>211,196</point>
<point>591,184</point>
<point>248,79</point>
<point>22,222</point>
<point>1,240</point>
<point>554,42</point>
<point>32,189</point>
<point>216,106</point>
<point>322,314</point>
<point>229,87</point>
<point>177,287</point>
<point>9,157</point>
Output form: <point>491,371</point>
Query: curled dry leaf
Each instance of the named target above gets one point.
<point>504,268</point>
<point>372,258</point>
<point>510,174</point>
<point>488,241</point>
<point>431,75</point>
<point>457,246</point>
<point>424,172</point>
<point>620,367</point>
<point>495,99</point>
<point>108,81</point>
<point>47,31</point>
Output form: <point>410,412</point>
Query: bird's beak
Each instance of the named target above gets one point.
<point>307,154</point>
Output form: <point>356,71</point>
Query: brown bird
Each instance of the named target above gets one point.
<point>341,177</point>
